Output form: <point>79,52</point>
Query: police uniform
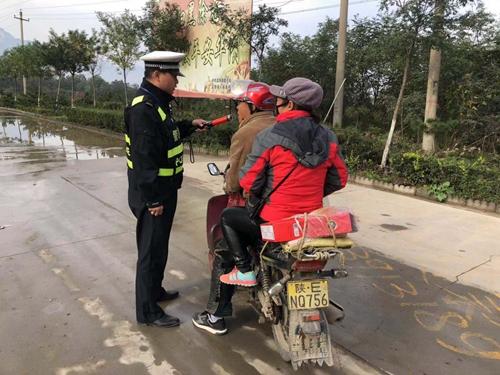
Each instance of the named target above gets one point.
<point>155,164</point>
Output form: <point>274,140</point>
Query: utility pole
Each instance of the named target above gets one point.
<point>21,19</point>
<point>338,109</point>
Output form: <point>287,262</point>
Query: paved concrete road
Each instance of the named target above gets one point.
<point>67,261</point>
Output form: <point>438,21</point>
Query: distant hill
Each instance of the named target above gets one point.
<point>7,40</point>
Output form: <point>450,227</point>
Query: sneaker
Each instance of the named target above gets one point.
<point>236,277</point>
<point>201,321</point>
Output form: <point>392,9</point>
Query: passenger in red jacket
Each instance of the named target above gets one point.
<point>297,161</point>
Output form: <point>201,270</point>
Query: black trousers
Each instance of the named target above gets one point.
<point>219,300</point>
<point>239,232</point>
<point>152,235</point>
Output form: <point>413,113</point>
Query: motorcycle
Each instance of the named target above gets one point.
<point>292,291</point>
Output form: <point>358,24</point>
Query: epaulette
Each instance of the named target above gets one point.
<point>142,98</point>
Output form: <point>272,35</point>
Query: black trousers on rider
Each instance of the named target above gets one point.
<point>152,235</point>
<point>239,232</point>
<point>219,300</point>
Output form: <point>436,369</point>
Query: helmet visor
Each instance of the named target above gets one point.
<point>240,87</point>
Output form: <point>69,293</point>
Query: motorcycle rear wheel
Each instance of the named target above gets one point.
<point>280,333</point>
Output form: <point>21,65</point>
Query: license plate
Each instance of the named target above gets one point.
<point>307,294</point>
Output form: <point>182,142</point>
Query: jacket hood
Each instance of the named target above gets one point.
<point>308,140</point>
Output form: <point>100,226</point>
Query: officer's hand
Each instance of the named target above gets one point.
<point>157,211</point>
<point>200,124</point>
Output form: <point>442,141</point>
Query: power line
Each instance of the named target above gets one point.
<point>78,13</point>
<point>75,16</point>
<point>79,4</point>
<point>18,4</point>
<point>67,6</point>
<point>325,7</point>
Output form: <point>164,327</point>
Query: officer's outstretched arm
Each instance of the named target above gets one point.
<point>187,127</point>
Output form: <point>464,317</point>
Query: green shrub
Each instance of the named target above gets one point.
<point>468,178</point>
<point>440,191</point>
<point>7,100</point>
<point>112,105</point>
<point>101,118</point>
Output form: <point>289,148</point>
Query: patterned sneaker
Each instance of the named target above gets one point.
<point>201,321</point>
<point>236,277</point>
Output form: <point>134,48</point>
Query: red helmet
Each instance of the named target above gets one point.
<point>256,93</point>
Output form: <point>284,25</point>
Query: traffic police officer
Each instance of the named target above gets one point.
<point>154,157</point>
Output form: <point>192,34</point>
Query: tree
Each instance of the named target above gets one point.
<point>93,64</point>
<point>57,49</point>
<point>39,65</point>
<point>237,27</point>
<point>411,16</point>
<point>10,67</point>
<point>121,41</point>
<point>78,56</point>
<point>289,60</point>
<point>444,12</point>
<point>163,27</point>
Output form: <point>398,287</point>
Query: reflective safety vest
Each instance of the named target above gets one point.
<point>172,164</point>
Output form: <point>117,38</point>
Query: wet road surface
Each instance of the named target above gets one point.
<point>31,143</point>
<point>67,264</point>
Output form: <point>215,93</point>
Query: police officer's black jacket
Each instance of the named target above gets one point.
<point>154,146</point>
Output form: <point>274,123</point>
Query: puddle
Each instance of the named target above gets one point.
<point>393,227</point>
<point>29,140</point>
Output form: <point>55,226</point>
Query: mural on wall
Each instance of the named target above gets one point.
<point>209,66</point>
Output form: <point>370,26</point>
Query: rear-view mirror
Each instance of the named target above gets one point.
<point>213,169</point>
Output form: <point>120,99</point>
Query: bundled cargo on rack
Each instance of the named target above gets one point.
<point>324,222</point>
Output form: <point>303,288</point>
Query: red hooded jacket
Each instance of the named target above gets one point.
<point>295,140</point>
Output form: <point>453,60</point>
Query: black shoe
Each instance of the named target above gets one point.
<point>201,321</point>
<point>166,321</point>
<point>168,295</point>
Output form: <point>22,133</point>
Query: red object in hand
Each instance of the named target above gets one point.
<point>220,120</point>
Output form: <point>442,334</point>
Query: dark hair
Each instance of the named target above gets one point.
<point>148,72</point>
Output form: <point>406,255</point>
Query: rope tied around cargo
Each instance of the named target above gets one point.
<point>302,244</point>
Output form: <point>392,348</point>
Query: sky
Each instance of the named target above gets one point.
<point>303,16</point>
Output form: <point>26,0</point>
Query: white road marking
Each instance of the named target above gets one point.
<point>46,256</point>
<point>179,274</point>
<point>84,368</point>
<point>66,279</point>
<point>261,366</point>
<point>135,347</point>
<point>248,328</point>
<point>218,369</point>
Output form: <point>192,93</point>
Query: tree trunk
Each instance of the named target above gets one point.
<point>58,90</point>
<point>93,89</point>
<point>428,139</point>
<point>431,102</point>
<point>338,108</point>
<point>72,90</point>
<point>396,109</point>
<point>125,86</point>
<point>15,90</point>
<point>39,91</point>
